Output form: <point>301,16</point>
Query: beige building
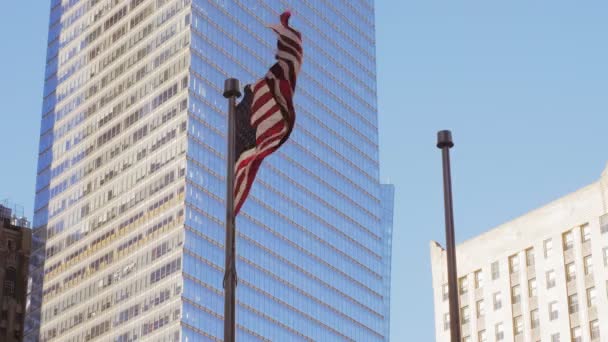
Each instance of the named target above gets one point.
<point>15,242</point>
<point>541,277</point>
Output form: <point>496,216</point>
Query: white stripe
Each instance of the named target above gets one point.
<point>292,46</point>
<point>240,192</point>
<point>278,95</point>
<point>290,57</point>
<point>283,31</point>
<point>258,114</point>
<point>268,123</point>
<point>260,92</point>
<point>274,143</point>
<point>286,69</point>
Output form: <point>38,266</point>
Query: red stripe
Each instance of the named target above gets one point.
<point>255,107</point>
<point>244,162</point>
<point>258,86</point>
<point>255,165</point>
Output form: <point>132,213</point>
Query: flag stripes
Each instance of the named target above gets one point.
<point>266,116</point>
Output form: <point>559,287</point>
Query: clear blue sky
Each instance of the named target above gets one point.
<point>523,85</point>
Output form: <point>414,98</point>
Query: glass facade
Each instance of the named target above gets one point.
<point>129,217</point>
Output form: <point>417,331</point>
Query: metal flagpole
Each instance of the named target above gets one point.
<point>444,142</point>
<point>231,92</point>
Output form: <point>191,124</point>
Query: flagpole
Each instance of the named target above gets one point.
<point>444,142</point>
<point>231,92</point>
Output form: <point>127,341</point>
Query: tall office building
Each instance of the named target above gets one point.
<point>15,247</point>
<point>129,213</point>
<point>541,277</point>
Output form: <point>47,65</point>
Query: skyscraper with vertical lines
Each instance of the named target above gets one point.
<point>129,214</point>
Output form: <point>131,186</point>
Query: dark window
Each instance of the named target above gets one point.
<point>9,282</point>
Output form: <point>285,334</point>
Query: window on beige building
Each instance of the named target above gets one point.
<point>482,336</point>
<point>497,301</point>
<point>576,334</point>
<point>478,279</point>
<point>573,303</point>
<point>570,272</point>
<point>534,319</point>
<point>465,317</point>
<point>514,264</point>
<point>445,292</point>
<point>532,287</point>
<point>495,270</point>
<point>481,310</point>
<point>550,279</point>
<point>568,240</point>
<point>515,294</point>
<point>604,224</point>
<point>499,332</point>
<point>588,263</point>
<point>548,244</point>
<point>553,312</point>
<point>585,233</point>
<point>530,257</point>
<point>463,285</point>
<point>591,297</point>
<point>594,327</point>
<point>518,325</point>
<point>446,321</point>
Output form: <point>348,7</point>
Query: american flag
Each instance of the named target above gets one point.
<point>265,117</point>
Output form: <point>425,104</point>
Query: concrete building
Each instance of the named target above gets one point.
<point>15,245</point>
<point>541,277</point>
<point>129,211</point>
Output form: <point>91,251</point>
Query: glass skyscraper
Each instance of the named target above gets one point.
<point>129,213</point>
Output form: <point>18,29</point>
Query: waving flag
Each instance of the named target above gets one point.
<point>265,117</point>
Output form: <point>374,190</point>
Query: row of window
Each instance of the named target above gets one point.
<point>63,32</point>
<point>135,176</point>
<point>117,53</point>
<point>518,329</point>
<point>518,326</point>
<point>121,188</point>
<point>95,68</point>
<point>85,58</point>
<point>52,290</point>
<point>160,140</point>
<point>514,267</point>
<point>106,157</point>
<point>124,227</point>
<point>135,95</point>
<point>107,302</point>
<point>573,299</point>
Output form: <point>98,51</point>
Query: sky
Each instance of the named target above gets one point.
<point>523,85</point>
